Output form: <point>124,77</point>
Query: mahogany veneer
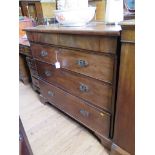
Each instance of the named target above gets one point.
<point>72,83</point>
<point>84,86</point>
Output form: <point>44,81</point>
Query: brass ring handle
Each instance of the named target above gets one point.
<point>48,73</point>
<point>83,88</point>
<point>82,63</point>
<point>84,113</point>
<point>43,53</point>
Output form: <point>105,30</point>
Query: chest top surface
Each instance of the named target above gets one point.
<point>94,28</point>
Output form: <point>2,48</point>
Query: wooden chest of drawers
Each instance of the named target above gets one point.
<point>34,74</point>
<point>27,66</point>
<point>24,73</point>
<point>84,87</point>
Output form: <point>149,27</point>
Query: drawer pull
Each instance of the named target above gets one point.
<point>48,73</point>
<point>50,93</point>
<point>82,63</point>
<point>43,53</point>
<point>84,113</point>
<point>83,88</point>
<point>102,114</point>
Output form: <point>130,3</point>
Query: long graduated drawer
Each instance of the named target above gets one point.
<point>89,89</point>
<point>95,65</point>
<point>96,120</point>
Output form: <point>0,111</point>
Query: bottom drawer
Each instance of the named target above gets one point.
<point>35,82</point>
<point>94,119</point>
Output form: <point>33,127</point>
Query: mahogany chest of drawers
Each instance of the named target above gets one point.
<point>84,87</point>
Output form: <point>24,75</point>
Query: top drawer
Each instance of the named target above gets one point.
<point>86,63</point>
<point>94,43</point>
<point>47,38</point>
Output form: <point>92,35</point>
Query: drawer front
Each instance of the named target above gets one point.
<point>84,87</point>
<point>44,53</point>
<point>96,120</point>
<point>89,64</point>
<point>31,62</point>
<point>108,44</point>
<point>76,41</point>
<point>47,38</point>
<point>35,82</point>
<point>93,43</point>
<point>33,72</point>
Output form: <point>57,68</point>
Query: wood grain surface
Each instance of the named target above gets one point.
<point>51,132</point>
<point>124,132</point>
<point>98,66</point>
<point>76,108</point>
<point>89,89</point>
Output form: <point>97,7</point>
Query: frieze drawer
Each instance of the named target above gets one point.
<point>94,43</point>
<point>47,38</point>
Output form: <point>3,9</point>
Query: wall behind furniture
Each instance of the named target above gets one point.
<point>48,8</point>
<point>100,9</point>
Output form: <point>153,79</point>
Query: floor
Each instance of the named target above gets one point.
<point>50,132</point>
